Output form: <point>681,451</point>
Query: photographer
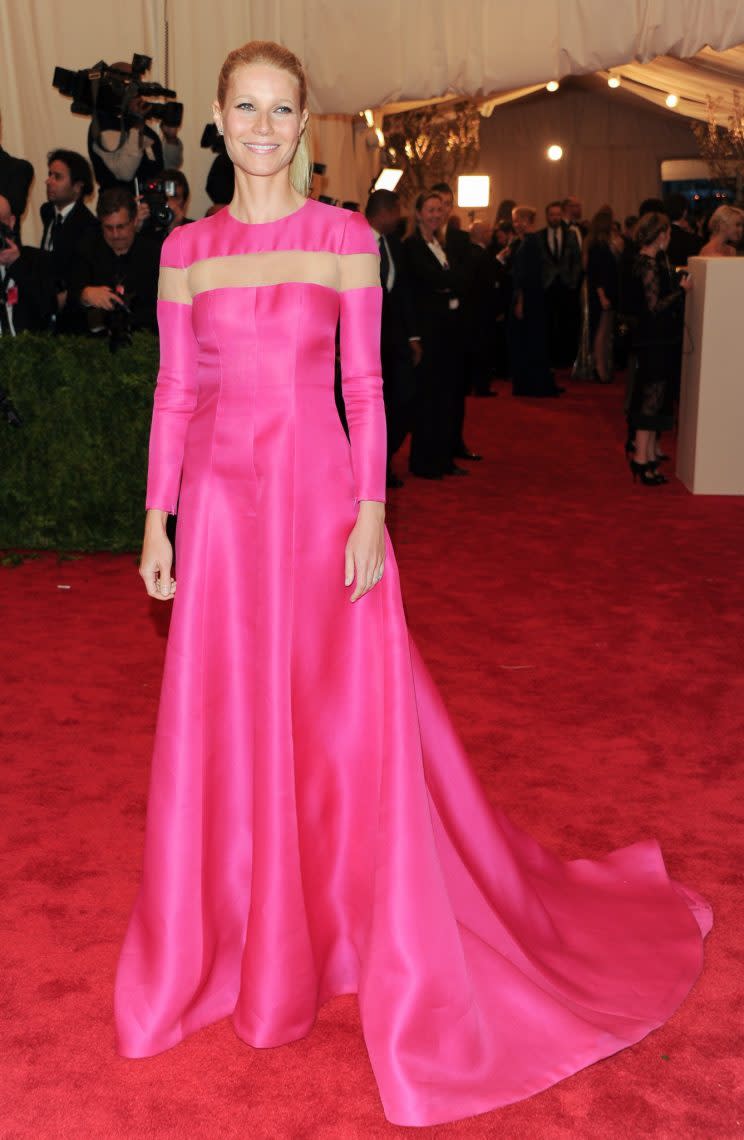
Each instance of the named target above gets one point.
<point>167,211</point>
<point>28,295</point>
<point>115,277</point>
<point>16,176</point>
<point>125,148</point>
<point>178,202</point>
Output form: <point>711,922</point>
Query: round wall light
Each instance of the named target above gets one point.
<point>672,100</point>
<point>552,86</point>
<point>555,152</point>
<point>613,81</point>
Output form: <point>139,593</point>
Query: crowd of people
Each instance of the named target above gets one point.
<point>515,299</point>
<point>525,301</point>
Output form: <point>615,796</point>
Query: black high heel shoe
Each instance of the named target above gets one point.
<point>647,474</point>
<point>653,464</point>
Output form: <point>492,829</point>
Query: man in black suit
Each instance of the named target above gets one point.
<point>400,341</point>
<point>28,296</point>
<point>114,269</point>
<point>683,242</point>
<point>16,176</point>
<point>458,249</point>
<point>561,258</point>
<point>65,217</point>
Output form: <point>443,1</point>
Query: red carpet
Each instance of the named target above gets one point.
<point>588,638</point>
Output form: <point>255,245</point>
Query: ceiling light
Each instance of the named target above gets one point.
<point>555,152</point>
<point>380,136</point>
<point>613,81</point>
<point>672,100</point>
<point>552,86</point>
<point>369,118</point>
<point>388,178</point>
<point>473,191</point>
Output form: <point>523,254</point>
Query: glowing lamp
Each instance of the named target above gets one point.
<point>473,191</point>
<point>388,178</point>
<point>555,152</point>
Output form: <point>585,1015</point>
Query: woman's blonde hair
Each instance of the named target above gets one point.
<point>528,212</point>
<point>724,216</point>
<point>280,57</point>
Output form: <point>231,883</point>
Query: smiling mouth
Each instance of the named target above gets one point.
<point>262,148</point>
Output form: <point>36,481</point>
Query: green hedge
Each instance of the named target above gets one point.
<point>72,477</point>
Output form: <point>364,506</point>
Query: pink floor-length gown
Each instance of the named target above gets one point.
<point>314,827</point>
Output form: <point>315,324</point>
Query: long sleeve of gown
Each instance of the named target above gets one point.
<point>175,393</point>
<point>361,372</point>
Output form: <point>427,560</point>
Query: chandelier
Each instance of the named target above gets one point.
<point>432,144</point>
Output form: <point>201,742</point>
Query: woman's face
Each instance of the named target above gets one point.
<point>431,214</point>
<point>261,119</point>
<point>732,230</point>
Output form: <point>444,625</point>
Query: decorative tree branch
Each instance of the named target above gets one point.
<point>432,144</point>
<point>723,146</point>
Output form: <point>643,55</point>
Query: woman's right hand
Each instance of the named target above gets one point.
<point>157,558</point>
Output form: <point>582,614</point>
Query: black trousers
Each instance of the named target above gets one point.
<point>398,391</point>
<point>437,404</point>
<point>562,324</point>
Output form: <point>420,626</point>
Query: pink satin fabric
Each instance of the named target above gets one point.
<point>314,827</point>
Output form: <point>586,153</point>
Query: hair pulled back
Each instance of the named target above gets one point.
<point>274,55</point>
<point>650,226</point>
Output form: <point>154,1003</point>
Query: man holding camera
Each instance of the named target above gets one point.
<point>16,176</point>
<point>124,148</point>
<point>114,282</point>
<point>28,292</point>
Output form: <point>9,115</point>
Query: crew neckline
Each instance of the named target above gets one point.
<point>273,222</point>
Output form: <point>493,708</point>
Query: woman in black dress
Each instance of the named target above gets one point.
<point>657,344</point>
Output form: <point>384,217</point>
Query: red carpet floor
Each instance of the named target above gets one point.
<point>588,636</point>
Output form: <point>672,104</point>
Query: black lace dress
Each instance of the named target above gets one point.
<point>657,344</point>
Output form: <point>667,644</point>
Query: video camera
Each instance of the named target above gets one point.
<point>156,192</point>
<point>102,88</point>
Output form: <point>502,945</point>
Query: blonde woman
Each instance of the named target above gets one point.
<point>314,827</point>
<point>726,228</point>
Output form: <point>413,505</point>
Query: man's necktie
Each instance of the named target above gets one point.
<point>384,263</point>
<point>56,227</point>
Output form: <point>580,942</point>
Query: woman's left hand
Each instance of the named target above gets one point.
<point>365,549</point>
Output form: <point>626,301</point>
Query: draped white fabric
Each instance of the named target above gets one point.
<point>358,55</point>
<point>709,75</point>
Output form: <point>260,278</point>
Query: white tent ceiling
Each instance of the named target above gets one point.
<point>362,55</point>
